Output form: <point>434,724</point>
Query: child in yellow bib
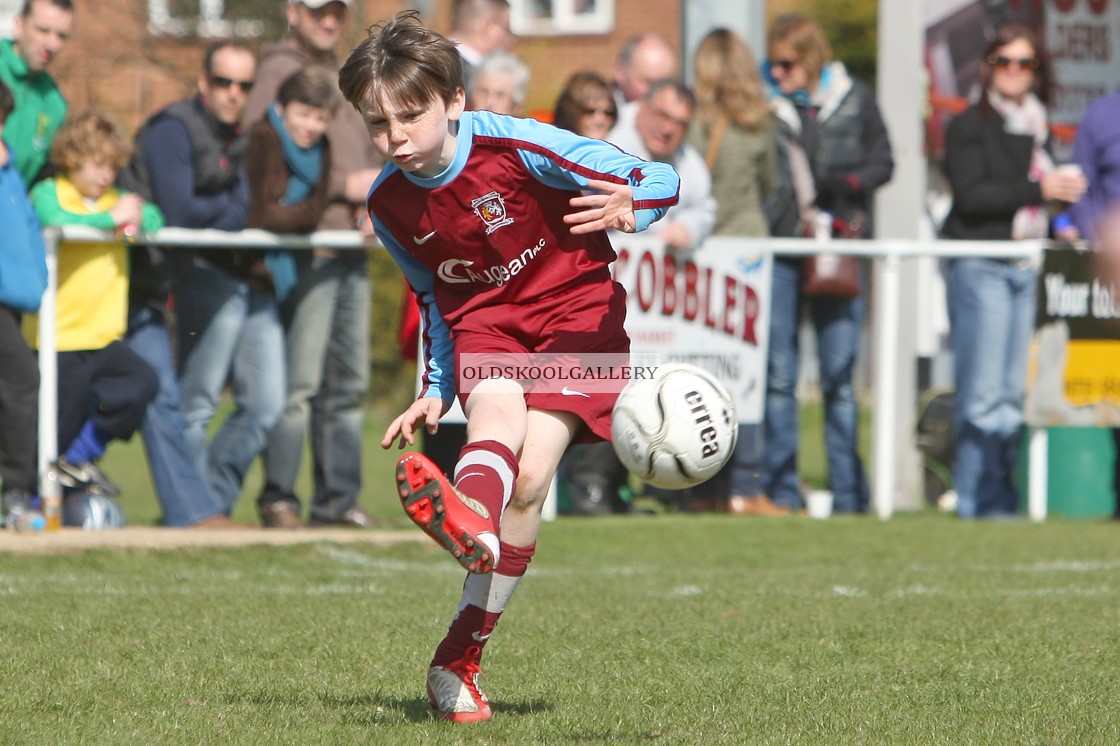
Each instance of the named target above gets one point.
<point>103,387</point>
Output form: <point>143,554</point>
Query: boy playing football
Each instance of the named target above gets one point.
<point>485,216</point>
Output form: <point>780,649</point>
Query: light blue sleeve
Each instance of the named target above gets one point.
<point>439,359</point>
<point>564,160</point>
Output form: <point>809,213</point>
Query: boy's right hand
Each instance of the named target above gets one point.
<point>1063,184</point>
<point>612,209</point>
<point>423,412</point>
<point>127,210</point>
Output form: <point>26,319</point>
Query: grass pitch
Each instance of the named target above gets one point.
<point>674,629</point>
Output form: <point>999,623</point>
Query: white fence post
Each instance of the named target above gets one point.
<point>1038,470</point>
<point>50,491</point>
<point>886,384</point>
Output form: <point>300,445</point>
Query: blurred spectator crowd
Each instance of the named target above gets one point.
<point>149,338</point>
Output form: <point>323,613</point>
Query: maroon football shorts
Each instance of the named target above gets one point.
<point>587,322</point>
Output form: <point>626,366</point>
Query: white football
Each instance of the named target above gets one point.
<point>676,429</point>
<point>92,511</point>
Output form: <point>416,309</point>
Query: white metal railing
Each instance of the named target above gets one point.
<point>49,489</point>
<point>888,253</point>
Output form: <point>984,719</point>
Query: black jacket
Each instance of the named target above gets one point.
<point>215,178</point>
<point>848,148</point>
<point>987,168</point>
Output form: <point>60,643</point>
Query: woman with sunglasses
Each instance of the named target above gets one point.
<point>586,106</point>
<point>833,154</point>
<point>999,169</point>
<point>734,130</point>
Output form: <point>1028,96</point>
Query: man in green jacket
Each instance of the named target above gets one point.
<point>41,31</point>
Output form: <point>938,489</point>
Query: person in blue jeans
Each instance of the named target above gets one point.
<point>833,154</point>
<point>185,497</point>
<point>289,166</point>
<point>229,328</point>
<point>837,322</point>
<point>187,161</point>
<point>998,165</point>
<point>327,315</point>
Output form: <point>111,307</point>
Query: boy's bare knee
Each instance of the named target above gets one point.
<point>523,503</point>
<point>531,489</point>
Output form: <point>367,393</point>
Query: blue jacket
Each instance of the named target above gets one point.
<point>1097,151</point>
<point>23,262</point>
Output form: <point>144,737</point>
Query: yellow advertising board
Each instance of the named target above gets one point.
<point>1073,377</point>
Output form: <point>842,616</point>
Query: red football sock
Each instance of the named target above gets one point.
<point>487,472</point>
<point>484,599</point>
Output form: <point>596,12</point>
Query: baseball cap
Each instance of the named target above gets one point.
<point>316,4</point>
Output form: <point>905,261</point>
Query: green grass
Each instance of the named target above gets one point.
<point>675,629</point>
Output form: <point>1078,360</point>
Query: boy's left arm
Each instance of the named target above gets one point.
<point>44,199</point>
<point>565,160</point>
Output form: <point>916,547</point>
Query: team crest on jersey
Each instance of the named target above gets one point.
<point>492,209</point>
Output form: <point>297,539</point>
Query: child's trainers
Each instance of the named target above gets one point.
<point>86,475</point>
<point>454,693</point>
<point>459,524</point>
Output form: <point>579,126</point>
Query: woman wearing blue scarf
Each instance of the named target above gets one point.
<point>288,161</point>
<point>834,153</point>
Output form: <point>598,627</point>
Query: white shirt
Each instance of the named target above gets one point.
<point>696,210</point>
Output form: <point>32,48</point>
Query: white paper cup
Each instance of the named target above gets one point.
<point>822,230</point>
<point>819,504</point>
<point>1070,169</point>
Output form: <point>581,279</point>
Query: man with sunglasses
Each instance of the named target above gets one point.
<point>188,161</point>
<point>326,316</point>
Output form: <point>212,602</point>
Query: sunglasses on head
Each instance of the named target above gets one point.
<point>784,65</point>
<point>1003,63</point>
<point>217,81</point>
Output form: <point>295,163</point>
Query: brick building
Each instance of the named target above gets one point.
<point>131,57</point>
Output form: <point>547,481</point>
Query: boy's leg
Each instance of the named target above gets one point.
<point>307,319</point>
<point>19,405</point>
<point>103,396</point>
<point>338,411</point>
<point>211,308</point>
<point>463,515</point>
<point>75,372</point>
<point>123,385</point>
<point>452,679</point>
<point>258,382</point>
<point>182,490</point>
<point>467,523</point>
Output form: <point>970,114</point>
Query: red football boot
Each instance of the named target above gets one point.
<point>453,692</point>
<point>459,524</point>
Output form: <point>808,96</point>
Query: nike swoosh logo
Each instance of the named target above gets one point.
<point>424,239</point>
<point>570,392</point>
<point>480,638</point>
